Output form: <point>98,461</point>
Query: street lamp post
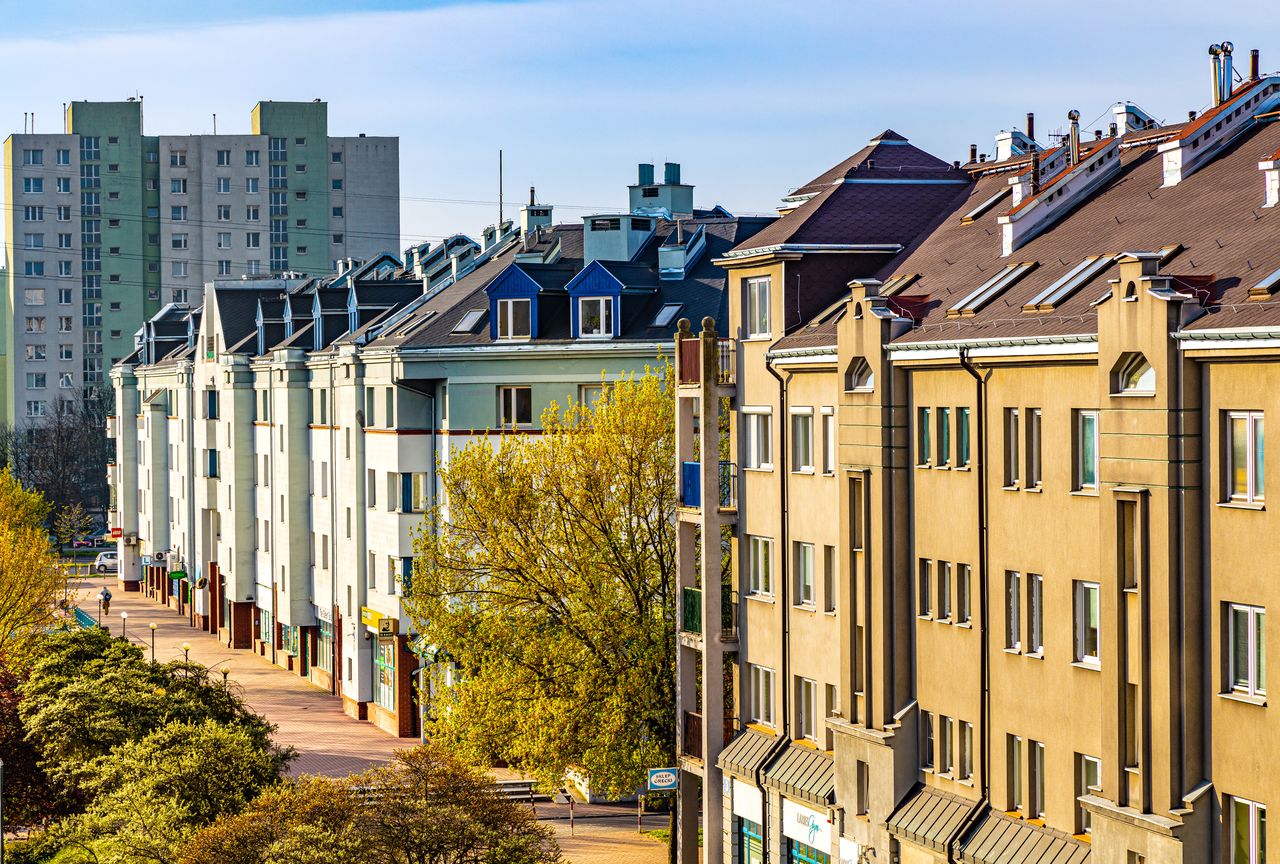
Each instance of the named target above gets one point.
<point>124,626</point>
<point>225,670</point>
<point>153,643</point>
<point>186,652</point>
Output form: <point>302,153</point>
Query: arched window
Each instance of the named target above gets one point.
<point>1133,374</point>
<point>859,376</point>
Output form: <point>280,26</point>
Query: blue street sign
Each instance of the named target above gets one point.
<point>662,779</point>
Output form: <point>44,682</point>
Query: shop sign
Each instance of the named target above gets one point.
<point>748,802</point>
<point>850,851</point>
<point>806,825</point>
<point>663,779</point>
<point>370,617</point>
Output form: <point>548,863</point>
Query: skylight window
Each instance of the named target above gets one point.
<point>1067,285</point>
<point>987,291</point>
<point>1267,286</point>
<point>469,321</point>
<point>972,215</point>
<point>666,314</point>
<point>897,284</point>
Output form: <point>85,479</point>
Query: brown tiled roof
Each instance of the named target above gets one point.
<point>890,152</point>
<point>1215,214</point>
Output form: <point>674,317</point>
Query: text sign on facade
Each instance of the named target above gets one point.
<point>369,617</point>
<point>806,825</point>
<point>662,779</point>
<point>850,851</point>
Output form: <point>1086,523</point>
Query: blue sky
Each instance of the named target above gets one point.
<point>753,98</point>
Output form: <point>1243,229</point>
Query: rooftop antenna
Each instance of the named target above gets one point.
<point>215,124</point>
<point>500,207</point>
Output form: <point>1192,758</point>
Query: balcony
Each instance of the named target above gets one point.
<point>691,612</point>
<point>690,369</point>
<point>693,733</point>
<point>691,485</point>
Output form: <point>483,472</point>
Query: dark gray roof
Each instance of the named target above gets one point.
<point>804,773</point>
<point>999,839</point>
<point>746,753</point>
<point>928,817</point>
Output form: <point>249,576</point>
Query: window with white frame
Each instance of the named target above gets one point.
<point>1086,450</point>
<point>806,709</point>
<point>1036,769</point>
<point>802,563</point>
<point>924,588</point>
<point>595,317</point>
<point>829,578</point>
<point>943,458</point>
<point>757,317</point>
<point>944,590</point>
<point>962,437</point>
<point>761,701</point>
<point>964,765</point>
<point>759,565</point>
<point>515,406</point>
<point>802,440</point>
<point>924,448</point>
<point>962,594</point>
<point>514,319</point>
<point>944,744</point>
<point>1011,448</point>
<point>926,740</point>
<point>1244,457</point>
<point>1012,610</point>
<point>1035,613</point>
<point>1088,777</point>
<point>1133,375</point>
<point>1088,616</point>
<point>1033,449</point>
<point>758,433</point>
<point>1247,827</point>
<point>1246,649</point>
<point>828,440</point>
<point>1013,766</point>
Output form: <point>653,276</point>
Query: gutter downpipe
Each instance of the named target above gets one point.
<point>980,808</point>
<point>784,739</point>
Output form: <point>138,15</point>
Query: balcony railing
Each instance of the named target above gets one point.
<point>691,485</point>
<point>693,733</point>
<point>690,361</point>
<point>691,611</point>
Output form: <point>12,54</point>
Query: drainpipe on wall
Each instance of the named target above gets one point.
<point>784,591</point>
<point>984,673</point>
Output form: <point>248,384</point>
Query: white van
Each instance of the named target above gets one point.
<point>106,562</point>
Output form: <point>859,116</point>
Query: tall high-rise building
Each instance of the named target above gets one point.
<point>106,225</point>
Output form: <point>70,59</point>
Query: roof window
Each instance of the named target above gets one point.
<point>1067,285</point>
<point>666,314</point>
<point>987,291</point>
<point>470,321</point>
<point>972,216</point>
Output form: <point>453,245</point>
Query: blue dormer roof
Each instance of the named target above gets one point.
<point>513,283</point>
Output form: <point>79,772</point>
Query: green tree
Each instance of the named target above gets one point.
<point>72,523</point>
<point>30,579</point>
<point>547,576</point>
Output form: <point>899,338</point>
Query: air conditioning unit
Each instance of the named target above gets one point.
<point>130,539</point>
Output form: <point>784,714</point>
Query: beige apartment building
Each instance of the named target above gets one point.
<point>996,499</point>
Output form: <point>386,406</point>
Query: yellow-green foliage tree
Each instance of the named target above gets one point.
<point>30,578</point>
<point>546,579</point>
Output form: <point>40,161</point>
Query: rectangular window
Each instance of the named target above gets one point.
<point>944,590</point>
<point>1088,615</point>
<point>224,185</point>
<point>944,744</point>
<point>514,319</point>
<point>944,437</point>
<point>515,406</point>
<point>224,267</point>
<point>759,435</point>
<point>224,239</point>
<point>829,578</point>
<point>64,186</point>
<point>177,269</point>
<point>33,185</point>
<point>1011,458</point>
<point>32,157</point>
<point>252,158</point>
<point>964,766</point>
<point>962,594</point>
<point>1247,827</point>
<point>595,317</point>
<point>926,740</point>
<point>251,185</point>
<point>253,240</point>
<point>39,352</point>
<point>1036,766</point>
<point>924,447</point>
<point>802,563</point>
<point>806,709</point>
<point>802,440</point>
<point>1013,764</point>
<point>177,158</point>
<point>828,441</point>
<point>760,565</point>
<point>1012,610</point>
<point>177,186</point>
<point>761,707</point>
<point>1086,450</point>
<point>253,213</point>
<point>757,317</point>
<point>224,212</point>
<point>1244,456</point>
<point>384,674</point>
<point>1035,613</point>
<point>1033,448</point>
<point>1246,649</point>
<point>1088,778</point>
<point>224,158</point>
<point>924,588</point>
<point>63,157</point>
<point>178,241</point>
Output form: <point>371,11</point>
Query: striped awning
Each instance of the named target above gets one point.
<point>745,753</point>
<point>804,774</point>
<point>1000,839</point>
<point>928,816</point>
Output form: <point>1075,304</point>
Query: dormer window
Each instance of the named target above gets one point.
<point>1134,375</point>
<point>514,319</point>
<point>595,317</point>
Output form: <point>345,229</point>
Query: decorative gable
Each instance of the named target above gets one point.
<point>511,287</point>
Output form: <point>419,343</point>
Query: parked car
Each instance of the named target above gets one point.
<point>107,562</point>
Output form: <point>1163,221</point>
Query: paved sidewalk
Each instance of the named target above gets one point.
<point>328,741</point>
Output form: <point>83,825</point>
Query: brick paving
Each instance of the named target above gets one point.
<point>310,719</point>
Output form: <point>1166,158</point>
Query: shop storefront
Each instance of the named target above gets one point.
<point>748,818</point>
<point>808,833</point>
